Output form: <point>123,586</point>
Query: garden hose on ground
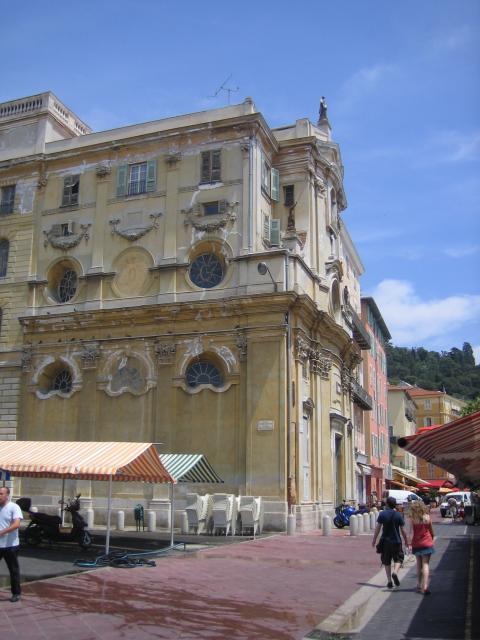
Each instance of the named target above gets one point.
<point>125,560</point>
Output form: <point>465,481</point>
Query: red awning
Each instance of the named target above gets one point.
<point>454,446</point>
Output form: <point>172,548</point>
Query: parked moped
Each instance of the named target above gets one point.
<point>342,515</point>
<point>47,528</point>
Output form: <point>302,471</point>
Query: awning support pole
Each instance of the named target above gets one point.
<point>62,502</point>
<point>109,509</point>
<point>172,512</point>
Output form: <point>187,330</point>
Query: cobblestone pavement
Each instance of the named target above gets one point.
<point>276,587</point>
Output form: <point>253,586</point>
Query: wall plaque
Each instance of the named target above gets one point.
<point>265,425</point>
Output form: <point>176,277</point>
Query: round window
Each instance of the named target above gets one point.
<point>206,271</point>
<point>67,285</point>
<point>203,372</point>
<point>62,381</point>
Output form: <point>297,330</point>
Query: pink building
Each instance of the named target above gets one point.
<point>376,384</point>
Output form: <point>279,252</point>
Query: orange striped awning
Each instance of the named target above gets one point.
<point>454,446</point>
<point>120,461</point>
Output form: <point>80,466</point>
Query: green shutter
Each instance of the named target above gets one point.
<point>216,166</point>
<point>275,233</point>
<point>122,180</point>
<point>151,175</point>
<point>275,185</point>
<point>205,168</point>
<point>266,227</point>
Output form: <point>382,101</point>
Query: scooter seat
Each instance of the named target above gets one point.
<point>46,519</point>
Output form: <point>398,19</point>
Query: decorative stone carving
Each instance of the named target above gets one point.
<point>172,158</point>
<point>133,276</point>
<point>346,380</point>
<point>89,355</point>
<point>195,217</point>
<point>320,364</point>
<point>56,238</point>
<point>102,170</point>
<point>26,358</point>
<point>165,352</point>
<point>134,233</point>
<point>127,371</point>
<point>42,182</point>
<point>320,188</point>
<point>242,346</point>
<point>302,348</point>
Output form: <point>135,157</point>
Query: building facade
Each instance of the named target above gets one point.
<point>183,282</point>
<point>401,423</point>
<point>375,379</point>
<point>434,408</point>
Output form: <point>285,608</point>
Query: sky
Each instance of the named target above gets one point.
<point>401,80</point>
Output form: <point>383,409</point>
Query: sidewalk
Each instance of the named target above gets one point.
<point>276,587</point>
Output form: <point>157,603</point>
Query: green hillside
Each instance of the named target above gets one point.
<point>452,371</point>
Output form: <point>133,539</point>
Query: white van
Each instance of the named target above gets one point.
<point>401,496</point>
<point>460,496</point>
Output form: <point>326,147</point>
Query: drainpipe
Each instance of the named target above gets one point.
<point>250,195</point>
<point>291,518</point>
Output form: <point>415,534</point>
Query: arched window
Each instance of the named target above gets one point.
<point>203,372</point>
<point>67,286</point>
<point>62,381</point>
<point>4,249</point>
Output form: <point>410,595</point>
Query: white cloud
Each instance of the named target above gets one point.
<point>412,321</point>
<point>363,82</point>
<point>454,40</point>
<point>452,146</point>
<point>462,251</point>
<point>476,353</point>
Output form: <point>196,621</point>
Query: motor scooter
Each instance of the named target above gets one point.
<point>342,515</point>
<point>47,528</point>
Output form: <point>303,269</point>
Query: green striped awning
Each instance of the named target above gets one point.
<point>185,467</point>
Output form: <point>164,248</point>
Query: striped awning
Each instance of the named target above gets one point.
<point>398,471</point>
<point>120,461</point>
<point>454,446</point>
<point>185,467</point>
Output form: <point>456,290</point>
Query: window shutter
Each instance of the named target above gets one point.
<point>216,166</point>
<point>275,233</point>
<point>151,175</point>
<point>266,227</point>
<point>222,206</point>
<point>122,180</point>
<point>205,168</point>
<point>275,185</point>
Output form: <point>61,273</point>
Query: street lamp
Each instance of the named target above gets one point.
<point>263,269</point>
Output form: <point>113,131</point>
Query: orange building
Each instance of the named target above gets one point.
<point>376,384</point>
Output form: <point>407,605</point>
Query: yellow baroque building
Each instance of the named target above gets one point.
<point>187,281</point>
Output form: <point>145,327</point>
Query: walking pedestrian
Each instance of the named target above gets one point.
<point>393,525</point>
<point>422,544</point>
<point>10,517</point>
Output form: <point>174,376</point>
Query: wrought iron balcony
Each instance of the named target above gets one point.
<point>409,414</point>
<point>360,396</point>
<point>360,334</point>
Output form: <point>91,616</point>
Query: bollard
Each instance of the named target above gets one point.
<point>373,520</point>
<point>151,521</point>
<point>184,523</point>
<point>366,522</point>
<point>353,525</point>
<point>120,520</point>
<point>326,525</point>
<point>359,524</point>
<point>291,524</point>
<point>90,518</point>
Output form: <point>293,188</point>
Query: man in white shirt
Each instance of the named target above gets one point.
<point>10,517</point>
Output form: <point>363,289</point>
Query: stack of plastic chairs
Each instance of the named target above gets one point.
<point>224,513</point>
<point>198,512</point>
<point>250,509</point>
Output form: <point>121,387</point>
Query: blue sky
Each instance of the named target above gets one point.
<point>402,85</point>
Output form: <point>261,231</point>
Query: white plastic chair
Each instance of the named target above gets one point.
<point>250,514</point>
<point>224,513</point>
<point>198,512</point>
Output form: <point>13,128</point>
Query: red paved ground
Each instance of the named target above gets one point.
<point>272,588</point>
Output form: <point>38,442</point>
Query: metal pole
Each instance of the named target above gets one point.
<point>172,512</point>
<point>62,502</point>
<point>109,508</point>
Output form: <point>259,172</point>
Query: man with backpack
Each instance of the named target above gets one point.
<point>392,524</point>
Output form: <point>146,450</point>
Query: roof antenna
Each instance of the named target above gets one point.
<point>223,87</point>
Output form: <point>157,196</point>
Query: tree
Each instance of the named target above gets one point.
<point>472,406</point>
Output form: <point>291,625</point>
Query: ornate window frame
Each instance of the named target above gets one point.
<point>219,355</point>
<point>113,363</point>
<point>54,278</point>
<point>49,362</point>
<point>222,252</point>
